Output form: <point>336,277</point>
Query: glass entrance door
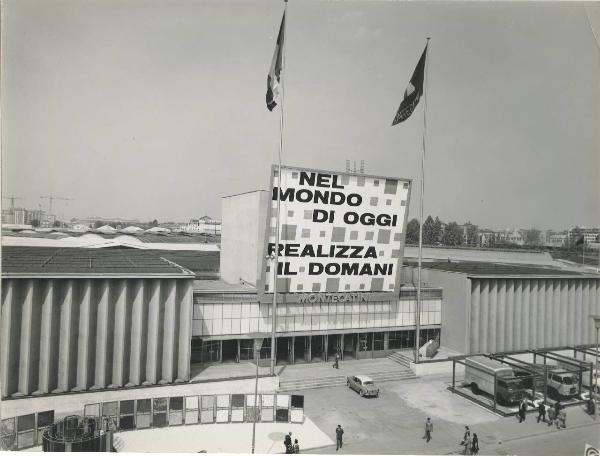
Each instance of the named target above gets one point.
<point>317,348</point>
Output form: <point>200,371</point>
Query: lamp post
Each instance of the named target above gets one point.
<point>595,396</point>
<point>258,340</point>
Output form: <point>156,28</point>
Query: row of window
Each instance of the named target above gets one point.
<point>225,326</point>
<point>249,310</point>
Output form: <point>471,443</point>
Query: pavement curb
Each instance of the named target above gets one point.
<point>550,431</point>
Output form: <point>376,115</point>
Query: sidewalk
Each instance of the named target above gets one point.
<point>222,438</point>
<point>394,422</point>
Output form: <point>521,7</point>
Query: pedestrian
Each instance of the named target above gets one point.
<point>296,446</point>
<point>288,443</point>
<point>336,362</point>
<point>475,444</point>
<point>591,406</point>
<point>339,432</point>
<point>428,429</point>
<point>523,410</point>
<point>551,416</point>
<point>541,412</point>
<point>466,441</point>
<point>557,407</point>
<point>562,419</point>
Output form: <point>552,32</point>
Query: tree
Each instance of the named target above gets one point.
<point>153,223</point>
<point>412,232</point>
<point>429,231</point>
<point>531,237</point>
<point>56,224</point>
<point>472,234</point>
<point>453,235</point>
<point>97,224</point>
<point>35,223</point>
<point>437,230</point>
<point>574,235</point>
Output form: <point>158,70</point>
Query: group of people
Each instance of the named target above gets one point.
<point>557,415</point>
<point>291,448</point>
<point>470,443</point>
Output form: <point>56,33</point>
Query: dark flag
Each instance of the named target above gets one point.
<point>580,240</point>
<point>274,76</point>
<point>413,91</point>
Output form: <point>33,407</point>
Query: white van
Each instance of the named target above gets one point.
<point>479,374</point>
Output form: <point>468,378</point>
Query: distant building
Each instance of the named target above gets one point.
<point>37,214</point>
<point>203,225</point>
<point>510,236</point>
<point>556,239</point>
<point>590,234</point>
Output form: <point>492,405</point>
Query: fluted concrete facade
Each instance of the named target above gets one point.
<point>77,334</point>
<point>506,314</point>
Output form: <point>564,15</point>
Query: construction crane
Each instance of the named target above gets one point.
<point>51,198</point>
<point>12,201</point>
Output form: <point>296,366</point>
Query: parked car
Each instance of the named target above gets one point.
<point>480,373</point>
<point>363,385</point>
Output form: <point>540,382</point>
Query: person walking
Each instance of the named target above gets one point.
<point>541,412</point>
<point>475,444</point>
<point>336,360</point>
<point>466,441</point>
<point>296,447</point>
<point>288,443</point>
<point>522,410</point>
<point>428,429</point>
<point>339,432</point>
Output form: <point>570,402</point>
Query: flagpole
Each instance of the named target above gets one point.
<point>276,269</point>
<point>418,309</point>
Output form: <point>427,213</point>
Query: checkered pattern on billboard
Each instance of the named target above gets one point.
<point>337,232</point>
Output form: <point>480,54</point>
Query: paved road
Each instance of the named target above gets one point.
<point>394,423</point>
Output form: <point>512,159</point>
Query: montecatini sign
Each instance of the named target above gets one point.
<point>338,233</point>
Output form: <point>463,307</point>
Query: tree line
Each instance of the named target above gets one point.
<point>436,232</point>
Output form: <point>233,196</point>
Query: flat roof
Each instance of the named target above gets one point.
<point>21,261</point>
<point>220,286</point>
<point>482,268</point>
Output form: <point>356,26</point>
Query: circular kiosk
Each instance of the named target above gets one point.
<point>77,433</point>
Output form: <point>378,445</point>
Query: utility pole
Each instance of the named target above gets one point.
<point>51,198</point>
<point>12,201</point>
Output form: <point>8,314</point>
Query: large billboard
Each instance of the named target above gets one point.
<point>338,232</point>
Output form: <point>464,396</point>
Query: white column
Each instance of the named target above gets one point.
<point>525,303</point>
<point>509,322</point>
<point>533,302</point>
<point>119,335</point>
<point>137,319</point>
<point>484,315</point>
<point>83,340</point>
<point>65,339</point>
<point>185,333</point>
<point>6,346</point>
<point>46,339</point>
<point>25,340</point>
<point>169,333</point>
<point>101,337</point>
<point>475,310</point>
<point>516,335</point>
<point>152,341</point>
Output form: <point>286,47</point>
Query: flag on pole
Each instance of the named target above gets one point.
<point>413,91</point>
<point>274,76</point>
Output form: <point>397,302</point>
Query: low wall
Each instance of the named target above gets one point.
<point>73,403</point>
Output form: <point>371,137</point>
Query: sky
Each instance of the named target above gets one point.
<point>156,109</point>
